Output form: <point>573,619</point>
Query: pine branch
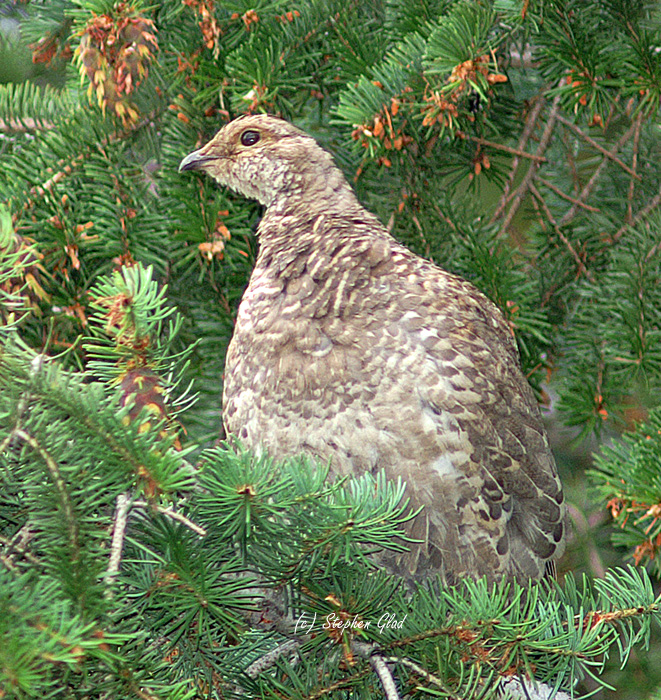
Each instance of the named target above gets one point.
<point>27,125</point>
<point>208,586</point>
<point>591,183</point>
<point>519,193</point>
<point>64,168</point>
<point>564,195</point>
<point>597,146</point>
<point>528,129</point>
<point>60,485</point>
<point>634,163</point>
<point>579,263</point>
<point>500,147</point>
<point>640,215</point>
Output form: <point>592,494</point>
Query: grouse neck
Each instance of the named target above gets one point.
<point>287,242</point>
<point>331,193</point>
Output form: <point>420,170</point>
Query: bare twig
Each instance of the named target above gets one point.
<point>423,673</point>
<point>521,689</point>
<point>589,186</point>
<point>18,544</point>
<point>378,663</point>
<point>175,516</point>
<point>560,234</point>
<point>634,163</point>
<point>444,217</point>
<point>500,147</point>
<point>562,194</point>
<point>649,207</point>
<point>36,365</point>
<point>124,505</point>
<point>119,529</point>
<point>540,214</point>
<point>527,180</point>
<point>385,676</point>
<point>531,120</point>
<point>609,154</point>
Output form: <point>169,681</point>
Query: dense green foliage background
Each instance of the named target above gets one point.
<point>514,143</point>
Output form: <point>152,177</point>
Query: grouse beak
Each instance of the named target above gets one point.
<point>194,161</point>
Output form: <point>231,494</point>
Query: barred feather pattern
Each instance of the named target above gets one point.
<point>350,348</point>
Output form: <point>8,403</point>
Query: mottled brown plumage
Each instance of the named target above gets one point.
<point>351,348</point>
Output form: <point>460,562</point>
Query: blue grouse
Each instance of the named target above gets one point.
<point>350,348</point>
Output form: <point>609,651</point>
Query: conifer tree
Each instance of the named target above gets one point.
<point>514,142</point>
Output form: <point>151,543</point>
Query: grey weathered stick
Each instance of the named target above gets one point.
<point>118,532</point>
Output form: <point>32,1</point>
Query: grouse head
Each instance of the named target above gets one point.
<point>268,159</point>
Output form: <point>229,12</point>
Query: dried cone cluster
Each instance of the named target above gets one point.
<point>114,54</point>
<point>442,106</point>
<point>216,246</point>
<point>22,290</point>
<point>207,22</point>
<point>390,134</point>
<point>141,387</point>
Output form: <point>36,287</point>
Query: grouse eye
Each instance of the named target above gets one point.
<point>249,137</point>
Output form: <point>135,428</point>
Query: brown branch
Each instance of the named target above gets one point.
<point>560,193</point>
<point>444,217</point>
<point>587,189</point>
<point>599,147</point>
<point>531,120</point>
<point>527,180</point>
<point>540,216</point>
<point>498,146</point>
<point>651,205</point>
<point>560,234</point>
<point>634,163</point>
<point>23,126</point>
